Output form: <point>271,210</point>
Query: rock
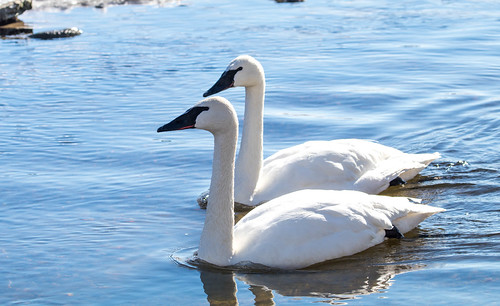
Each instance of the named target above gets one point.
<point>10,25</point>
<point>10,9</point>
<point>70,32</point>
<point>15,28</point>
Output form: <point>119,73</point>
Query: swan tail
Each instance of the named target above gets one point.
<point>379,179</point>
<point>400,169</point>
<point>424,160</point>
<point>393,233</point>
<point>418,214</point>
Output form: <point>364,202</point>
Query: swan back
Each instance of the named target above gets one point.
<point>310,226</point>
<point>342,164</point>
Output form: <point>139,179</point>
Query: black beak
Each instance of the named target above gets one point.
<point>225,81</point>
<point>184,121</point>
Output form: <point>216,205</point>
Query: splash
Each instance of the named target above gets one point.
<point>188,258</point>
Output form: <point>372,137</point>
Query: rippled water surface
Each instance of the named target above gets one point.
<point>95,205</point>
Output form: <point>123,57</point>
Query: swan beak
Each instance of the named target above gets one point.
<point>184,121</point>
<point>225,81</point>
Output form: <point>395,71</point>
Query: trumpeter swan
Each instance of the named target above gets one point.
<point>344,164</point>
<point>295,230</point>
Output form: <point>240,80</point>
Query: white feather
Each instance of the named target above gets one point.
<point>337,164</point>
<point>297,229</point>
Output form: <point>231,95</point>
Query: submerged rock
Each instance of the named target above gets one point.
<point>288,1</point>
<point>10,9</point>
<point>15,31</point>
<point>70,32</point>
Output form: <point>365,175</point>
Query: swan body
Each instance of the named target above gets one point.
<point>343,164</point>
<point>292,231</point>
<point>351,164</point>
<point>310,226</point>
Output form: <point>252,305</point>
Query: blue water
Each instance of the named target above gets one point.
<point>94,203</point>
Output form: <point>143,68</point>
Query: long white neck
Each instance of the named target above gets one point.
<point>249,162</point>
<point>216,243</point>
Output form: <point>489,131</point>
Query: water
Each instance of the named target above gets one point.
<point>94,203</point>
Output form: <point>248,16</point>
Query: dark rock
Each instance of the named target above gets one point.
<point>288,1</point>
<point>15,28</point>
<point>70,32</point>
<point>9,10</point>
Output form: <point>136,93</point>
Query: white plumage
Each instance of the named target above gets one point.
<point>337,164</point>
<point>311,226</point>
<point>343,164</point>
<point>292,231</point>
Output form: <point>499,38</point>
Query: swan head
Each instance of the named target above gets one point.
<point>215,114</point>
<point>243,71</point>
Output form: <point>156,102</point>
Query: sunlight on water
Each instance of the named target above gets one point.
<point>96,206</point>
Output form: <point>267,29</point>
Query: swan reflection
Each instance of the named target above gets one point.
<point>219,287</point>
<point>347,278</point>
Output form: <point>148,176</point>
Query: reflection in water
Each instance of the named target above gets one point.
<point>347,282</point>
<point>263,295</point>
<point>337,280</point>
<point>219,287</point>
<point>346,278</point>
<point>333,285</point>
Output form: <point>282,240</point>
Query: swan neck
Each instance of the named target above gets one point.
<point>250,157</point>
<point>216,243</point>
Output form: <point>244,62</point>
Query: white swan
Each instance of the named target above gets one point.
<point>351,164</point>
<point>292,231</point>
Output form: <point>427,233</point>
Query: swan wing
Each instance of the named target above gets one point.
<point>343,164</point>
<point>310,226</point>
<point>406,166</point>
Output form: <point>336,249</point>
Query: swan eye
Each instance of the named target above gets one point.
<point>196,110</point>
<point>184,121</point>
<point>239,69</point>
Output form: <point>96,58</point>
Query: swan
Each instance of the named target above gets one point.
<point>295,230</point>
<point>336,164</point>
